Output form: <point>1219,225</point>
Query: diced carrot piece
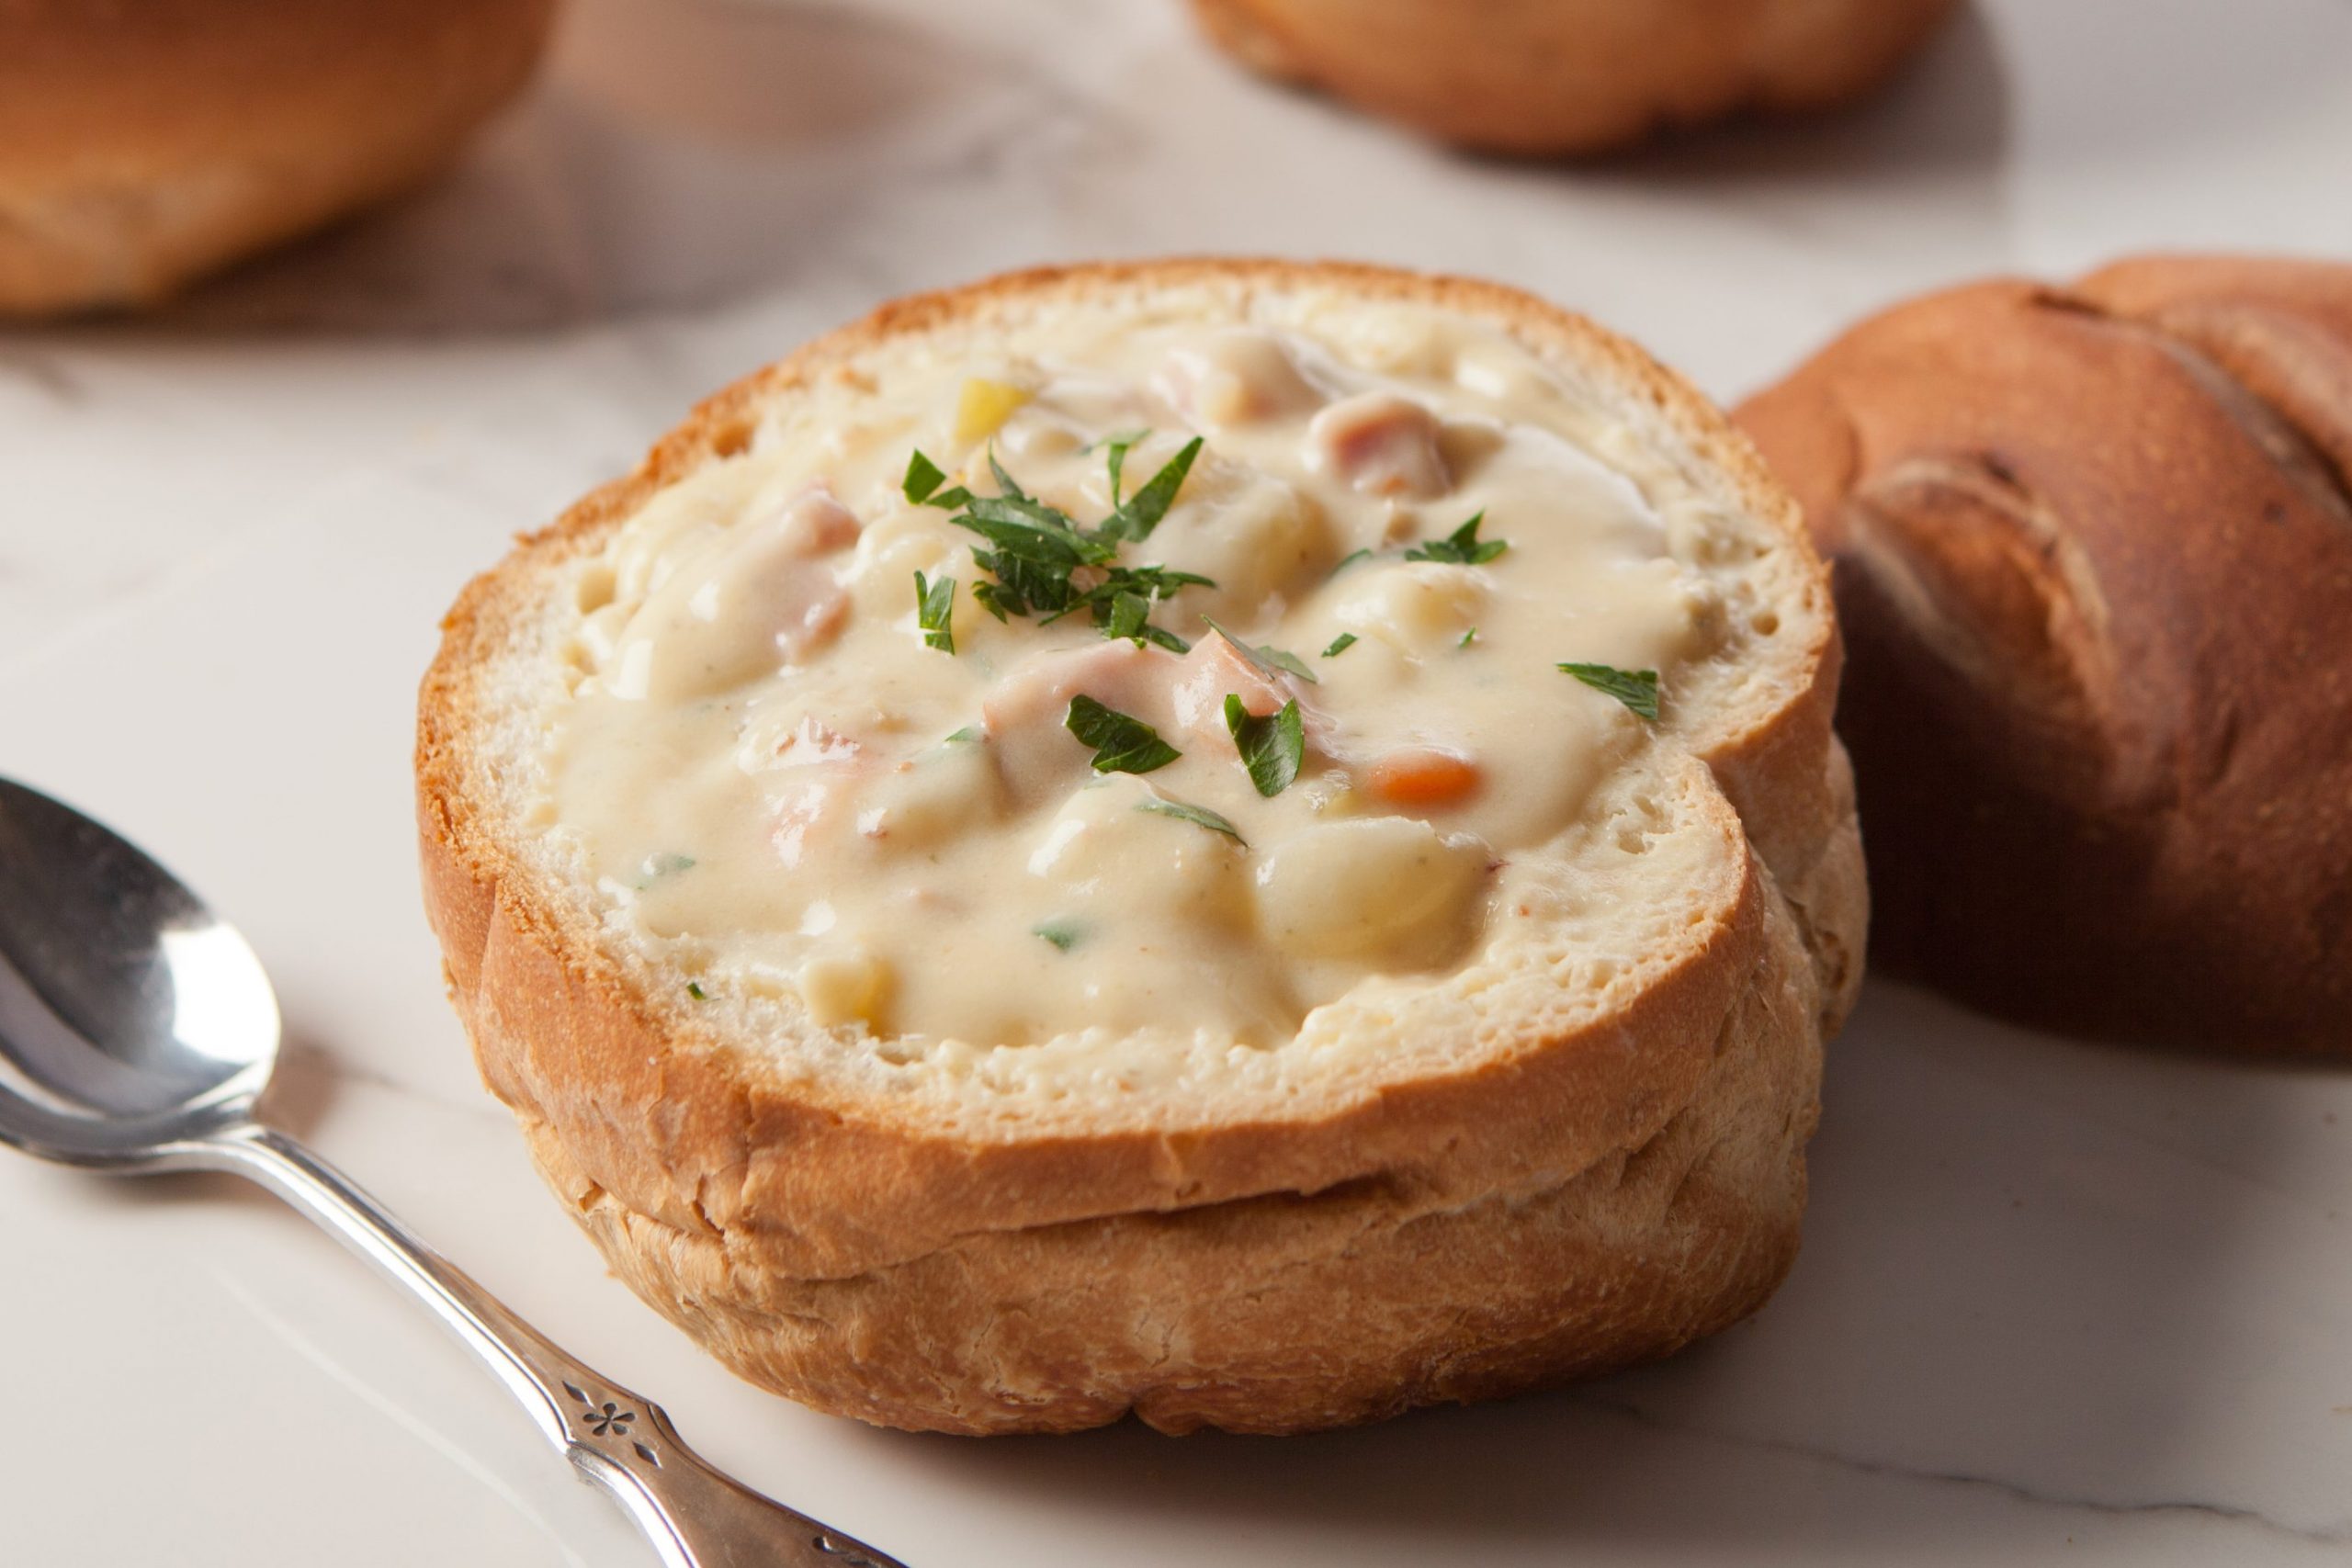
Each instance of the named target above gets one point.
<point>1428,777</point>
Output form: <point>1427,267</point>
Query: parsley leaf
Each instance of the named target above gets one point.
<point>922,482</point>
<point>1148,584</point>
<point>1036,550</point>
<point>970,734</point>
<point>1063,934</point>
<point>1127,616</point>
<point>693,989</point>
<point>1340,645</point>
<point>1460,548</point>
<point>1266,658</point>
<point>1116,445</point>
<point>1122,744</point>
<point>1272,748</point>
<point>1141,513</point>
<point>1200,816</point>
<point>1468,637</point>
<point>1637,689</point>
<point>934,603</point>
<point>1350,559</point>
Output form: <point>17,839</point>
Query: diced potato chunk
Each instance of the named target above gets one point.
<point>847,985</point>
<point>921,802</point>
<point>1102,844</point>
<point>1415,606</point>
<point>1387,889</point>
<point>1257,538</point>
<point>983,406</point>
<point>754,599</point>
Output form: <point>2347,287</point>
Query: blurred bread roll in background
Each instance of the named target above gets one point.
<point>146,142</point>
<point>2093,555</point>
<point>1555,77</point>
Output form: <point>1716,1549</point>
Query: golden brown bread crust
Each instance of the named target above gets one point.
<point>1553,77</point>
<point>1290,1312</point>
<point>143,145</point>
<point>745,1202</point>
<point>2093,550</point>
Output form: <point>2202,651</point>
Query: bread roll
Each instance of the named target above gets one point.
<point>1552,77</point>
<point>1521,1097</point>
<point>2093,548</point>
<point>143,145</point>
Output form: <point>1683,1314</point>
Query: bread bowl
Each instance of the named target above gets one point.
<point>1546,78</point>
<point>2093,548</point>
<point>144,145</point>
<point>1123,1121</point>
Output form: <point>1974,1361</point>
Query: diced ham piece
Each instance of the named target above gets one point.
<point>810,605</point>
<point>1234,377</point>
<point>1116,674</point>
<point>1024,715</point>
<point>813,803</point>
<point>1214,668</point>
<point>1379,444</point>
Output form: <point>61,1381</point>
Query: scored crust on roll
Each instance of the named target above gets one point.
<point>1557,1127</point>
<point>2093,553</point>
<point>144,145</point>
<point>1552,77</point>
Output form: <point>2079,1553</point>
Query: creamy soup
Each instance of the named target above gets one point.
<point>1151,675</point>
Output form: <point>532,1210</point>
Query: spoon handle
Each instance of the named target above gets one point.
<point>695,1514</point>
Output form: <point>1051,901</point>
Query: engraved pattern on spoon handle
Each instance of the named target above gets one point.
<point>695,1515</point>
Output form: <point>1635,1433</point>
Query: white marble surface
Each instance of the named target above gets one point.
<point>2057,1305</point>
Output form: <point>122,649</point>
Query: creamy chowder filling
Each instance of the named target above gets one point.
<point>1147,676</point>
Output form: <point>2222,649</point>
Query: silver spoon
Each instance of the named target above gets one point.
<point>137,1031</point>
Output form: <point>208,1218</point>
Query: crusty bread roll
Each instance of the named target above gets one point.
<point>143,145</point>
<point>1556,1155</point>
<point>1555,77</point>
<point>2093,549</point>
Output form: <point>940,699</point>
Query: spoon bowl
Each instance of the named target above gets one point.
<point>133,1022</point>
<point>137,1032</point>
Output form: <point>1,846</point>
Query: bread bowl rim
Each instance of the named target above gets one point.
<point>687,1129</point>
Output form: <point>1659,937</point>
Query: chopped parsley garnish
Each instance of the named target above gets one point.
<point>1136,518</point>
<point>1122,744</point>
<point>1460,548</point>
<point>1063,934</point>
<point>664,863</point>
<point>1272,748</point>
<point>1122,601</point>
<point>1637,689</point>
<point>1037,552</point>
<point>1200,816</point>
<point>1468,637</point>
<point>1128,611</point>
<point>935,604</point>
<point>1115,448</point>
<point>922,482</point>
<point>693,989</point>
<point>1266,658</point>
<point>1340,645</point>
<point>969,734</point>
<point>1350,559</point>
